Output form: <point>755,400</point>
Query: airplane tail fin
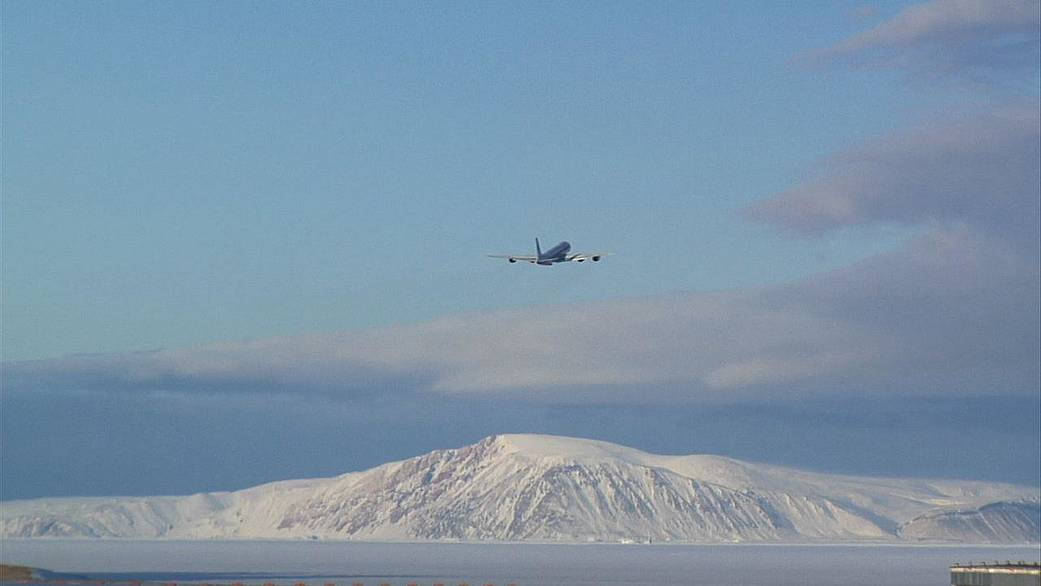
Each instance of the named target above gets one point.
<point>538,250</point>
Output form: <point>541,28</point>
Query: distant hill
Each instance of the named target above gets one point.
<point>10,573</point>
<point>550,488</point>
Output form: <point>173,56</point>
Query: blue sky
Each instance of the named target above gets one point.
<point>179,174</point>
<point>253,209</point>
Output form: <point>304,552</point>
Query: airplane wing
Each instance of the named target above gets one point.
<point>514,257</point>
<point>584,256</point>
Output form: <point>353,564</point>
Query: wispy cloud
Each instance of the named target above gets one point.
<point>978,169</point>
<point>963,38</point>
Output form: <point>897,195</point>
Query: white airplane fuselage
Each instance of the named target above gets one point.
<point>559,253</point>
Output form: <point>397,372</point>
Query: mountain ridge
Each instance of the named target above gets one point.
<point>517,487</point>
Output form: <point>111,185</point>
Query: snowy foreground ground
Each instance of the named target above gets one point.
<point>343,564</point>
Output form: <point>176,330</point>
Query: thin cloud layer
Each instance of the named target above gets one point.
<point>974,38</point>
<point>694,339</point>
<point>951,313</point>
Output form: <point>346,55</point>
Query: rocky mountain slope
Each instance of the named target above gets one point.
<point>549,488</point>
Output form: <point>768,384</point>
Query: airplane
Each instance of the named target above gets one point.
<point>559,253</point>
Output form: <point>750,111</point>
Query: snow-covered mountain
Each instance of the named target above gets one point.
<point>549,488</point>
